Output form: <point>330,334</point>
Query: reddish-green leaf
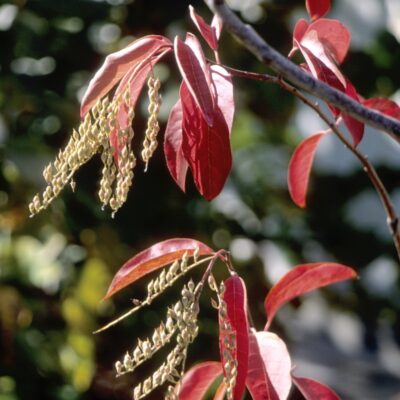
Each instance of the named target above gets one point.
<point>117,64</point>
<point>195,78</point>
<point>208,32</point>
<point>302,279</point>
<point>153,258</point>
<point>235,298</point>
<point>176,162</point>
<point>314,390</point>
<point>223,93</point>
<point>198,380</point>
<point>206,149</point>
<point>317,8</point>
<point>300,167</point>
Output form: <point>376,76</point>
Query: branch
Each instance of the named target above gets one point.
<point>252,41</point>
<point>392,218</point>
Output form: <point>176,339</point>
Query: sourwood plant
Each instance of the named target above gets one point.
<point>197,140</point>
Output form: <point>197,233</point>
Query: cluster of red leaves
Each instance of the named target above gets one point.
<point>324,44</point>
<point>197,135</point>
<point>264,365</point>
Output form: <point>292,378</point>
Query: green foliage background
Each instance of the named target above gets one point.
<point>56,267</point>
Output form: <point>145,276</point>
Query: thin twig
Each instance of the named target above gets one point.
<point>294,74</point>
<point>392,218</point>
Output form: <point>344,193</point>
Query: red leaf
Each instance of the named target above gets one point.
<point>208,32</point>
<point>198,379</point>
<point>302,279</point>
<point>385,106</point>
<point>355,127</point>
<point>153,258</point>
<point>206,149</point>
<point>195,78</point>
<point>176,163</point>
<point>334,37</point>
<point>117,64</point>
<point>235,298</point>
<point>313,390</point>
<point>300,167</point>
<point>223,93</point>
<point>217,24</point>
<point>268,375</point>
<point>298,32</point>
<point>135,78</point>
<point>258,382</point>
<point>317,8</point>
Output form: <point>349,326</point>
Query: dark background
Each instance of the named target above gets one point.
<point>56,267</point>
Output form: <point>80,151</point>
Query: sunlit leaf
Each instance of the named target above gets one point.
<point>300,167</point>
<point>198,380</point>
<point>195,78</point>
<point>153,258</point>
<point>235,298</point>
<point>208,32</point>
<point>176,162</point>
<point>117,64</point>
<point>317,8</point>
<point>206,149</point>
<point>268,376</point>
<point>223,93</point>
<point>302,279</point>
<point>314,390</point>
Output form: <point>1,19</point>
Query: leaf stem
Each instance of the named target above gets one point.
<point>392,217</point>
<point>254,43</point>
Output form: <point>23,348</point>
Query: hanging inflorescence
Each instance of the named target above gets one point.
<point>181,323</point>
<point>100,132</point>
<point>179,326</point>
<point>150,140</point>
<point>228,336</point>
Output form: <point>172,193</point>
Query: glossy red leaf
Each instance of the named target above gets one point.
<point>176,162</point>
<point>217,24</point>
<point>314,390</point>
<point>257,381</point>
<point>207,31</point>
<point>235,298</point>
<point>195,77</point>
<point>298,32</point>
<point>198,380</point>
<point>315,54</point>
<point>223,93</point>
<point>270,365</point>
<point>153,258</point>
<point>302,279</point>
<point>355,127</point>
<point>206,149</point>
<point>117,64</point>
<point>334,37</point>
<point>317,8</point>
<point>385,106</point>
<point>300,167</point>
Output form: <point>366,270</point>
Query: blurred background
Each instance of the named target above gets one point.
<point>56,267</point>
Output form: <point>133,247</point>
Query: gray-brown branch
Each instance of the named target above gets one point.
<point>253,42</point>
